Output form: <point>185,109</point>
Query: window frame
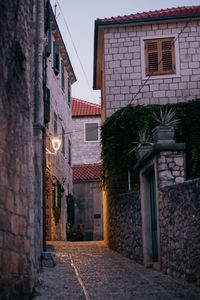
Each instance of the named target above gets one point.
<point>176,54</point>
<point>91,122</point>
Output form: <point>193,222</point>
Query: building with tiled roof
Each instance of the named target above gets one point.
<point>86,166</point>
<point>86,172</point>
<point>147,58</point>
<point>84,108</point>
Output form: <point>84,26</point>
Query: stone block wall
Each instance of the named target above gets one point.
<point>170,168</point>
<point>124,61</point>
<point>179,217</point>
<point>20,223</point>
<point>123,224</point>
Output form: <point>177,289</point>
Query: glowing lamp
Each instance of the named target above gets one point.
<point>56,142</point>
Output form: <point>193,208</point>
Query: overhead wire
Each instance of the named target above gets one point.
<point>75,49</point>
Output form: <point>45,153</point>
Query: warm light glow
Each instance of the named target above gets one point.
<point>56,142</point>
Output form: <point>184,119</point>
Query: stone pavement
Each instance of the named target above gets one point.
<point>91,271</point>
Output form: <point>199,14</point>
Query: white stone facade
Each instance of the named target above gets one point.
<point>59,166</point>
<point>123,65</point>
<point>85,152</point>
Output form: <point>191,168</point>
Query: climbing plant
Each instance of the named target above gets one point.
<point>120,131</point>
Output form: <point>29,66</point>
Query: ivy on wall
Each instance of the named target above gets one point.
<point>121,129</point>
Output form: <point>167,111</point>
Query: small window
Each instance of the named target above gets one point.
<point>62,76</point>
<point>48,46</point>
<point>91,132</point>
<point>69,152</point>
<point>55,124</point>
<point>46,105</point>
<point>56,58</point>
<point>69,92</point>
<point>63,141</point>
<point>160,57</point>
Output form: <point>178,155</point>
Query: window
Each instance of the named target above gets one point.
<point>62,76</point>
<point>160,56</point>
<point>55,126</point>
<point>91,132</point>
<point>69,152</point>
<point>56,58</point>
<point>69,92</point>
<point>46,105</point>
<point>63,141</point>
<point>48,46</point>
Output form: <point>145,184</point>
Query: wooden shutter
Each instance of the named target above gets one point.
<point>56,58</point>
<point>46,105</point>
<point>62,76</point>
<point>69,92</point>
<point>48,46</point>
<point>69,152</point>
<point>160,57</point>
<point>47,16</point>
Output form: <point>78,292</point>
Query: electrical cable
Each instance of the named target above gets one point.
<point>87,81</point>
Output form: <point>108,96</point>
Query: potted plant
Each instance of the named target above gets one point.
<point>164,132</point>
<point>143,146</point>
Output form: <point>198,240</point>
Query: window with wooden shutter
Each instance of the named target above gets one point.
<point>46,105</point>
<point>69,152</point>
<point>160,57</point>
<point>62,76</point>
<point>56,58</point>
<point>69,92</point>
<point>48,46</point>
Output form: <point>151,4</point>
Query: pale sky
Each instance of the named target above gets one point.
<point>80,16</point>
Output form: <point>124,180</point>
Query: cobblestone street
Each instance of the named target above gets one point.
<point>89,270</point>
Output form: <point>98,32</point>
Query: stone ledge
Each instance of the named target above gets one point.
<point>158,147</point>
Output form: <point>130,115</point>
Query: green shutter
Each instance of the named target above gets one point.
<point>69,152</point>
<point>47,16</point>
<point>69,92</point>
<point>48,46</point>
<point>44,69</point>
<point>56,58</point>
<point>62,76</point>
<point>46,105</point>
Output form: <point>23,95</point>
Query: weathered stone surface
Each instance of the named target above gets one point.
<point>125,224</point>
<point>179,221</point>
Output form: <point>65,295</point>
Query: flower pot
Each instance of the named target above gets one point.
<point>163,134</point>
<point>141,151</point>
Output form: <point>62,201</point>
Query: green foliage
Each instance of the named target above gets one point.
<point>122,128</point>
<point>166,118</point>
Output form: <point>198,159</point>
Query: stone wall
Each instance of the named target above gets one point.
<point>179,217</point>
<point>124,65</point>
<point>20,222</point>
<point>170,168</point>
<point>123,224</point>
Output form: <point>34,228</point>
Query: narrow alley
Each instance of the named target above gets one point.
<point>90,270</point>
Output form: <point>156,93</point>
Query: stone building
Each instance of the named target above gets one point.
<point>86,151</point>
<point>21,147</point>
<point>147,58</point>
<point>59,76</point>
<point>152,58</point>
<point>27,124</point>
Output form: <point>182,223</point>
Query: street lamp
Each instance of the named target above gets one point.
<point>56,143</point>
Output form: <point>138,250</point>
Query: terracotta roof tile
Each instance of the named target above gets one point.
<point>178,11</point>
<point>86,172</point>
<point>84,108</point>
